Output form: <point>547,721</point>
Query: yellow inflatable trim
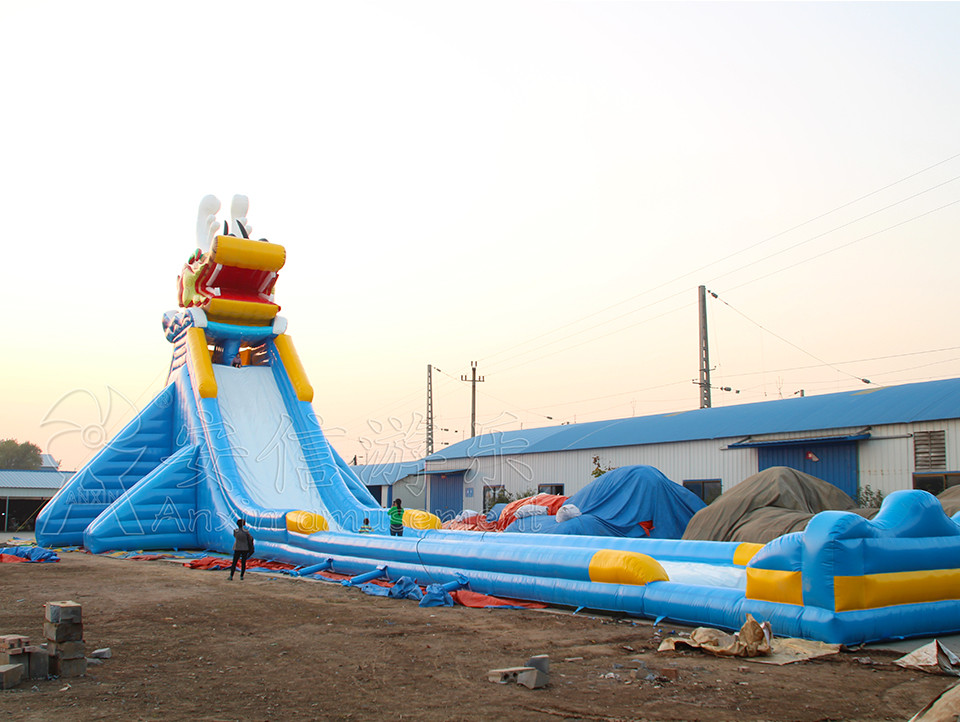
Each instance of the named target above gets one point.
<point>294,368</point>
<point>244,313</point>
<point>886,590</point>
<point>198,360</point>
<point>306,522</point>
<point>745,552</point>
<point>419,519</point>
<point>614,566</point>
<point>244,253</point>
<point>774,585</point>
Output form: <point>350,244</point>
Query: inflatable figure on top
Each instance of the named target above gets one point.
<point>233,435</point>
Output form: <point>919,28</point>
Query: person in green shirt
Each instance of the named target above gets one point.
<point>396,518</point>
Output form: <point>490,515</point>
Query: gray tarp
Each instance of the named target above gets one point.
<point>777,501</point>
<point>950,500</point>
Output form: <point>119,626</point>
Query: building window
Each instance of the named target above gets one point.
<point>706,489</point>
<point>935,483</point>
<point>929,451</point>
<point>556,489</point>
<point>492,495</point>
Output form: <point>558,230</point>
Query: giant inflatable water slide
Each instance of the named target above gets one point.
<point>221,442</point>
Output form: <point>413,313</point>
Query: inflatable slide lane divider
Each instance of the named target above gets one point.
<point>199,364</point>
<point>294,367</point>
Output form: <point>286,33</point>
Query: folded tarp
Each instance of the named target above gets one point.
<point>632,501</point>
<point>27,554</point>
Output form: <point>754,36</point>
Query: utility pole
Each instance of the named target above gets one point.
<point>704,352</point>
<point>429,409</point>
<point>473,402</point>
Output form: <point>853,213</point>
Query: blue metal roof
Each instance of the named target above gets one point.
<point>928,401</point>
<point>48,479</point>
<point>387,474</point>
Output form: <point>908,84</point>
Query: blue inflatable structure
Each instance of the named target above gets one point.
<point>234,435</point>
<point>632,501</point>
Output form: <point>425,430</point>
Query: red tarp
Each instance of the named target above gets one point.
<point>219,563</point>
<point>11,559</point>
<point>474,599</point>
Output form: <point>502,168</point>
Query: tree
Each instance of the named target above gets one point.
<point>25,456</point>
<point>599,470</point>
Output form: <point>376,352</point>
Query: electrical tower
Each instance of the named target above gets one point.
<point>704,352</point>
<point>429,409</point>
<point>473,402</point>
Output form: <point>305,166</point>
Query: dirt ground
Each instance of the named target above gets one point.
<point>190,644</point>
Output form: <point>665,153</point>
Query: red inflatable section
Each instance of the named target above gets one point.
<point>553,502</point>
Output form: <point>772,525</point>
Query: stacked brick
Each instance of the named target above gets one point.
<point>63,628</point>
<point>20,660</point>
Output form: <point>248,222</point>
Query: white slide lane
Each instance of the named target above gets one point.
<point>264,443</point>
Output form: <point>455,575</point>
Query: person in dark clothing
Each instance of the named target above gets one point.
<point>395,513</point>
<point>238,361</point>
<point>242,548</point>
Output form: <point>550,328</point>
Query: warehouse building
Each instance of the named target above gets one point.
<point>884,438</point>
<point>23,493</point>
<point>402,480</point>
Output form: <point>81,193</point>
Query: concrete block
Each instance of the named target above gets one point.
<point>58,612</point>
<point>18,657</point>
<point>541,662</point>
<point>13,641</point>
<point>10,675</point>
<point>63,631</point>
<point>507,674</point>
<point>67,650</point>
<point>72,667</point>
<point>533,678</point>
<point>39,664</point>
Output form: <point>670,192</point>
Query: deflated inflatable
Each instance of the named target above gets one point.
<point>233,435</point>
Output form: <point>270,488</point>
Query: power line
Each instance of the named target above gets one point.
<point>841,247</point>
<point>736,253</point>
<point>841,226</point>
<point>788,342</point>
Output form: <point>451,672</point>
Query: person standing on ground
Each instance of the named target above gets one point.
<point>242,548</point>
<point>396,518</point>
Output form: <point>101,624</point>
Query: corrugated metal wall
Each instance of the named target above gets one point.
<point>885,461</point>
<point>446,495</point>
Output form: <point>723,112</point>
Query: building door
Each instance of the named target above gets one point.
<point>446,494</point>
<point>836,463</point>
